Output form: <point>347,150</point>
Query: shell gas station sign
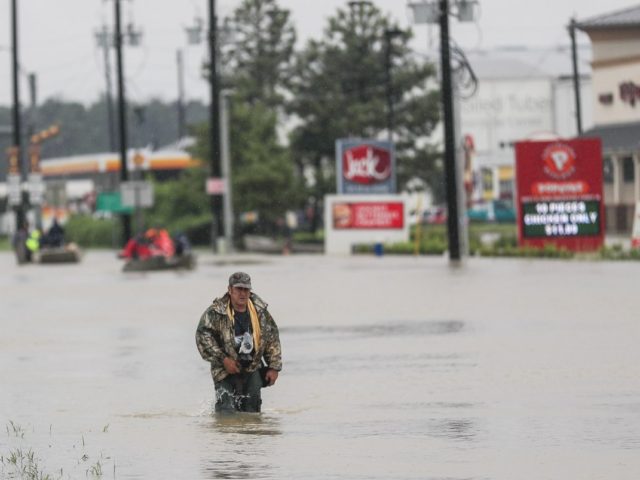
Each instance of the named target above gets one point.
<point>559,194</point>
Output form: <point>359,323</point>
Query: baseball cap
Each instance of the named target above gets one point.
<point>240,279</point>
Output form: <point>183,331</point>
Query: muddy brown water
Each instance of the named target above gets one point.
<point>395,368</point>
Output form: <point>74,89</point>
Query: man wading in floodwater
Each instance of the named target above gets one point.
<point>234,334</point>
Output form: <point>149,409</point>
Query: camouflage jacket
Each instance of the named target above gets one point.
<point>215,337</point>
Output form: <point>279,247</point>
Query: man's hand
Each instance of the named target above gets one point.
<point>231,366</point>
<point>271,376</point>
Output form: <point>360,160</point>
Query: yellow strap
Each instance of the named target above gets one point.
<point>255,323</point>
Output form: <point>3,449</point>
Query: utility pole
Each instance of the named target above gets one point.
<point>122,109</point>
<point>33,95</point>
<point>449,136</point>
<point>33,152</point>
<point>105,40</point>
<point>576,76</point>
<point>438,11</point>
<point>214,121</point>
<point>388,37</point>
<point>17,131</point>
<point>180,102</point>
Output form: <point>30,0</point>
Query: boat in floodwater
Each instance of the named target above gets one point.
<point>186,261</point>
<point>66,254</point>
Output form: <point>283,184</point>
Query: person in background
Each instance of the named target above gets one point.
<point>136,248</point>
<point>19,242</point>
<point>235,333</point>
<point>33,244</point>
<point>182,244</point>
<point>55,235</point>
<point>161,243</point>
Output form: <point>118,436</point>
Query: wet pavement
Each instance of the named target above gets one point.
<point>395,368</point>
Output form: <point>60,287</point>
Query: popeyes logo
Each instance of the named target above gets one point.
<point>559,161</point>
<point>366,164</point>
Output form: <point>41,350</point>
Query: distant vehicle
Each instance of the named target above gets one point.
<point>436,215</point>
<point>433,215</point>
<point>186,261</point>
<point>500,211</point>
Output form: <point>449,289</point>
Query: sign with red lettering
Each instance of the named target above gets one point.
<point>365,166</point>
<point>368,215</point>
<point>216,186</point>
<point>559,190</point>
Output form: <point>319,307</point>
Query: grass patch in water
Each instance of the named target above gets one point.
<point>21,461</point>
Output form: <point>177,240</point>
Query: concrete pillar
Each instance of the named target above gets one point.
<point>615,162</point>
<point>636,178</point>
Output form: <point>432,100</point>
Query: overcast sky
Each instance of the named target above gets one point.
<point>56,38</point>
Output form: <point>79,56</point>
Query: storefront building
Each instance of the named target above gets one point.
<point>522,93</point>
<point>615,39</point>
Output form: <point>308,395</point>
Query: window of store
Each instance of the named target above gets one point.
<point>628,170</point>
<point>506,188</point>
<point>607,170</point>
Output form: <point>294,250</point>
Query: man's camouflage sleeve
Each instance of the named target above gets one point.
<point>208,346</point>
<point>271,339</point>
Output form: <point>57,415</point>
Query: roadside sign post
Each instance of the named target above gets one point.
<point>216,187</point>
<point>137,194</point>
<point>14,184</point>
<point>14,190</point>
<point>35,183</point>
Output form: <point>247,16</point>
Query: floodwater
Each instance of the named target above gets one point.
<point>394,368</point>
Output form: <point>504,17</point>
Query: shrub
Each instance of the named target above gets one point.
<point>88,231</point>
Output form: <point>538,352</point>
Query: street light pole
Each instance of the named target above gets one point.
<point>104,41</point>
<point>227,201</point>
<point>576,76</point>
<point>214,120</point>
<point>122,109</point>
<point>449,136</point>
<point>180,102</point>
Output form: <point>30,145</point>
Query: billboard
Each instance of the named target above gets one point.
<point>364,219</point>
<point>365,166</point>
<point>368,215</point>
<point>559,193</point>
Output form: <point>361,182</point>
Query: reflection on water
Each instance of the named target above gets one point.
<point>452,429</point>
<point>246,424</point>
<point>440,327</point>
<point>239,443</point>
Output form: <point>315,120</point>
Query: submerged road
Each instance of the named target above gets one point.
<point>395,368</point>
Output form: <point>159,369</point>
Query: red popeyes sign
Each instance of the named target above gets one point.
<point>559,193</point>
<point>368,215</point>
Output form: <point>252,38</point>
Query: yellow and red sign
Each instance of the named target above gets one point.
<point>368,215</point>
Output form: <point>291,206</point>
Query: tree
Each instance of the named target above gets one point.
<point>182,206</point>
<point>257,63</point>
<point>260,53</point>
<point>338,91</point>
